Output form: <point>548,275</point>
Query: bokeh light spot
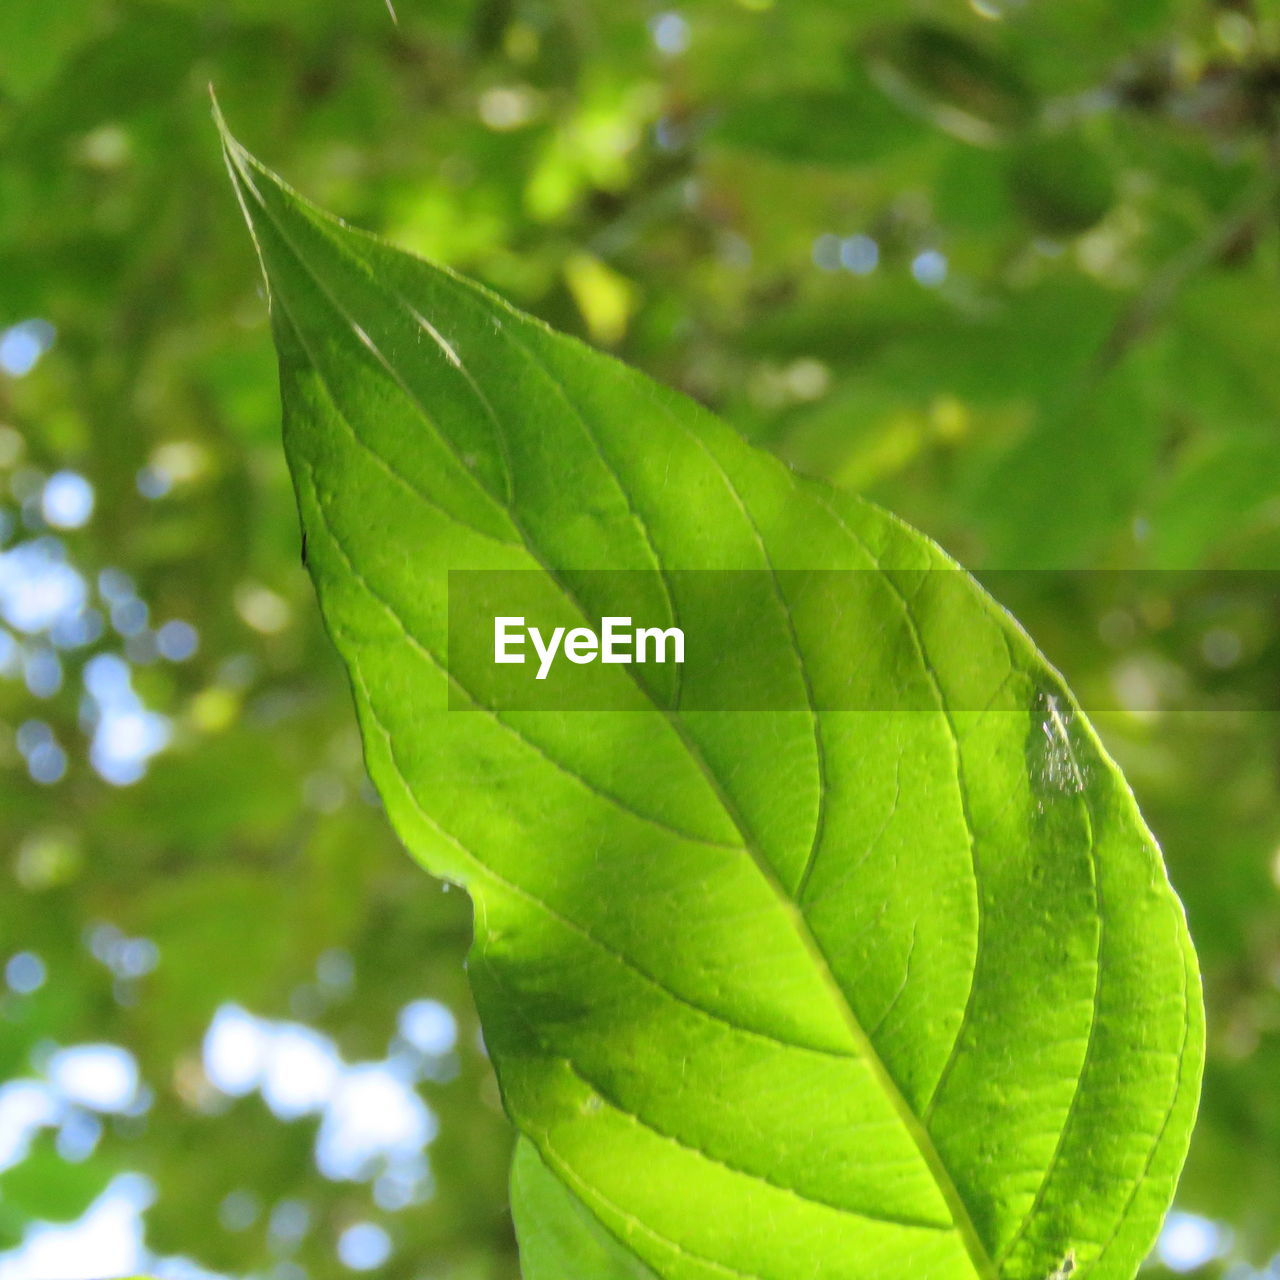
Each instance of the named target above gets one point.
<point>24,973</point>
<point>67,500</point>
<point>364,1246</point>
<point>22,345</point>
<point>930,268</point>
<point>429,1027</point>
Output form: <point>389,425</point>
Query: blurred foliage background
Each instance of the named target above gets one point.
<point>1008,267</point>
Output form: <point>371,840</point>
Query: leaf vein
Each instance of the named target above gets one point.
<point>922,1224</point>
<point>588,784</point>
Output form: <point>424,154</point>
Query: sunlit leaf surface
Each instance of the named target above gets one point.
<point>774,994</point>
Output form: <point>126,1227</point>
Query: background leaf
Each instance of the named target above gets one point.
<point>44,1185</point>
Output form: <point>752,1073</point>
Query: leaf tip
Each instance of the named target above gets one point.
<point>235,154</point>
<point>218,118</point>
<point>238,160</point>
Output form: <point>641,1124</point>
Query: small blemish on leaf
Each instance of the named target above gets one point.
<point>1054,765</point>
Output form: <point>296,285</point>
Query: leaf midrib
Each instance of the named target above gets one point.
<point>912,1123</point>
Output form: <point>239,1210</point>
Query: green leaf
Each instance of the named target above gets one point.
<point>782,993</point>
<point>45,1186</point>
<point>853,125</point>
<point>1062,183</point>
<point>560,1239</point>
<point>35,40</point>
<point>1074,480</point>
<point>969,91</point>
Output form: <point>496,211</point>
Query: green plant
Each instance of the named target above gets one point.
<point>787,993</point>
